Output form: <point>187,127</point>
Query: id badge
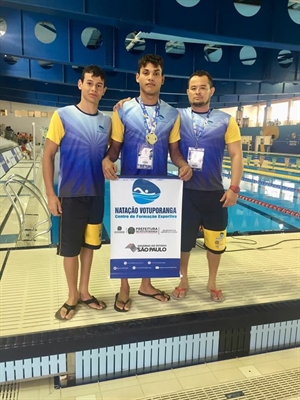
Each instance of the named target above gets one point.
<point>145,157</point>
<point>195,158</point>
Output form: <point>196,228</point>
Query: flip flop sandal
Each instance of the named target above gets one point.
<point>129,301</point>
<point>216,295</point>
<point>93,300</point>
<point>68,308</point>
<point>180,291</point>
<point>154,296</point>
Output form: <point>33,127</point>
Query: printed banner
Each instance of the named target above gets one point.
<point>3,165</point>
<point>145,227</point>
<point>9,158</point>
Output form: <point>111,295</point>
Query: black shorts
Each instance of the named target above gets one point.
<point>80,224</point>
<point>200,208</point>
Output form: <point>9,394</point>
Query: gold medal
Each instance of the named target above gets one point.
<point>151,138</point>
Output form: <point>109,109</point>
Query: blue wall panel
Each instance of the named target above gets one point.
<point>242,88</point>
<point>10,42</point>
<point>224,87</point>
<point>232,23</point>
<point>281,73</point>
<point>19,94</point>
<point>172,85</point>
<point>218,69</point>
<point>120,9</point>
<point>177,64</point>
<point>129,60</point>
<point>47,97</point>
<point>292,87</point>
<point>285,30</point>
<point>116,80</point>
<point>238,70</point>
<point>20,69</point>
<point>79,54</point>
<point>71,75</point>
<point>54,74</point>
<point>200,18</point>
<point>58,50</point>
<point>271,88</point>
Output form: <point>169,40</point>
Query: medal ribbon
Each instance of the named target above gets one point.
<point>198,131</point>
<point>150,124</point>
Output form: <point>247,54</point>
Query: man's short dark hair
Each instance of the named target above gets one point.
<point>154,59</point>
<point>95,71</point>
<point>201,72</point>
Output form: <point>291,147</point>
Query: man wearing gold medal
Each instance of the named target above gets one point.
<point>145,130</point>
<point>204,132</point>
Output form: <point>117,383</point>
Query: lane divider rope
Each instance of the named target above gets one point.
<point>272,206</point>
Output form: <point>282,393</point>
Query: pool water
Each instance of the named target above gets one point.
<point>253,212</point>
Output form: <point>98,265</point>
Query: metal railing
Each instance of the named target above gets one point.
<point>18,207</point>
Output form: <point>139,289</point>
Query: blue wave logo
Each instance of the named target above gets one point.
<point>144,192</point>
<point>161,117</point>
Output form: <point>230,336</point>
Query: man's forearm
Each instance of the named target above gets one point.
<point>236,169</point>
<point>112,154</point>
<point>48,174</point>
<point>179,161</point>
<point>176,156</point>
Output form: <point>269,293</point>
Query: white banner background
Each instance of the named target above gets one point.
<point>145,238</point>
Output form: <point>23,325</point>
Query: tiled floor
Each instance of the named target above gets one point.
<point>246,277</point>
<point>248,274</point>
<point>183,382</point>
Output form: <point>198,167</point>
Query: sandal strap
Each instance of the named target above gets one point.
<point>216,292</point>
<point>91,300</point>
<point>123,302</point>
<point>181,289</point>
<point>68,307</point>
<point>162,293</point>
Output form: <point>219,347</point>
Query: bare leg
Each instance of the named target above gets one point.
<point>213,266</point>
<point>147,288</point>
<point>184,282</point>
<point>124,295</point>
<point>71,272</point>
<point>86,258</point>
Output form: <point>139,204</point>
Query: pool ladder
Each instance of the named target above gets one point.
<point>26,234</point>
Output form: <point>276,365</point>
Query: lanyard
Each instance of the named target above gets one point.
<point>150,124</point>
<point>198,131</point>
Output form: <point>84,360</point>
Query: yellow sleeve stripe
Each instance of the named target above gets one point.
<point>117,133</point>
<point>56,129</point>
<point>233,133</point>
<point>175,132</point>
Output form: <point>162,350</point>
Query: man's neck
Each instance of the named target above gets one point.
<point>203,109</point>
<point>88,108</point>
<point>149,100</point>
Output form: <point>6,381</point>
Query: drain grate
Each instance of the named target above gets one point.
<point>9,391</point>
<point>279,386</point>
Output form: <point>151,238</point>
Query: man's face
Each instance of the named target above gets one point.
<point>150,79</point>
<point>199,91</point>
<point>92,88</point>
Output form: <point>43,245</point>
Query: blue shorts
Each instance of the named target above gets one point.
<point>203,209</point>
<point>80,224</point>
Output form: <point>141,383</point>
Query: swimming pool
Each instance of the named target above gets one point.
<point>266,204</point>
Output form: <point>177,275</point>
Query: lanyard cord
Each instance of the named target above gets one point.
<point>150,124</point>
<point>198,131</point>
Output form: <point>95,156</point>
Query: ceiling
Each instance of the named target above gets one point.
<point>250,47</point>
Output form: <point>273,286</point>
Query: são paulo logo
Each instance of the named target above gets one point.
<point>147,248</point>
<point>144,192</point>
<point>132,247</point>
